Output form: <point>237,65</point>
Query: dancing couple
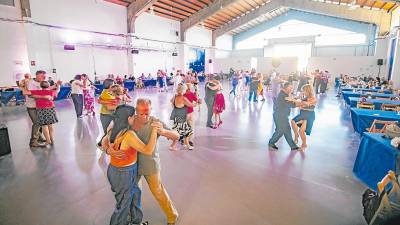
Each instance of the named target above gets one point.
<point>301,124</point>
<point>215,102</point>
<point>132,146</point>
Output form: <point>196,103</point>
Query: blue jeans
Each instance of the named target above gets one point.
<point>233,89</point>
<point>253,94</point>
<point>123,184</point>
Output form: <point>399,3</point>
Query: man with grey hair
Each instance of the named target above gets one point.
<point>149,166</point>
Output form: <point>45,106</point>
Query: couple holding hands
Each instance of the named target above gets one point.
<point>300,124</point>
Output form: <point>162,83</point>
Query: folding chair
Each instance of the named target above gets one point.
<point>389,107</point>
<point>365,105</point>
<point>380,123</point>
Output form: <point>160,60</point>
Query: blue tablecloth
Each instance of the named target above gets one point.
<point>64,93</point>
<point>367,90</point>
<point>348,94</point>
<point>130,85</point>
<point>363,118</point>
<point>6,96</point>
<point>377,102</point>
<point>375,158</point>
<point>148,83</point>
<point>99,89</point>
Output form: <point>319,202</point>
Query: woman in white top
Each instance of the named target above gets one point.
<point>77,95</point>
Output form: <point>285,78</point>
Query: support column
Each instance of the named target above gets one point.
<point>129,41</point>
<point>182,61</point>
<point>396,64</point>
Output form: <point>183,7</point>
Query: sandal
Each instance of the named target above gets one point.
<point>172,148</point>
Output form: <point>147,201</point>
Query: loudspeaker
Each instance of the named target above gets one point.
<point>380,62</point>
<point>69,47</point>
<point>174,54</point>
<point>5,147</point>
<point>135,51</point>
<point>210,61</point>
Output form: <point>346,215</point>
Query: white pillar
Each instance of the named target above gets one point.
<point>210,61</point>
<point>396,64</point>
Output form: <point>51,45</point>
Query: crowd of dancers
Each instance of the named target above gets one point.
<point>131,133</point>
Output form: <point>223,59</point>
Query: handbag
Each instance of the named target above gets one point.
<point>382,206</point>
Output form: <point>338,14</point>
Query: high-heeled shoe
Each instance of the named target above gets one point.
<point>219,124</point>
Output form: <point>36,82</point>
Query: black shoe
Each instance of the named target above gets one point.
<point>273,147</point>
<point>191,144</point>
<point>297,148</point>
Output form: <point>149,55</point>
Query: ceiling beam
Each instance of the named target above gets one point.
<point>208,11</point>
<point>139,6</point>
<point>273,5</point>
<point>380,18</point>
<point>135,9</point>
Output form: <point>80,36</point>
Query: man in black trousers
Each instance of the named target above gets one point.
<point>281,113</point>
<point>210,90</point>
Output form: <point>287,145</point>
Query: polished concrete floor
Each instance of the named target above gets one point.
<point>230,178</point>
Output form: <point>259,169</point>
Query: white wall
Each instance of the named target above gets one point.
<point>224,42</point>
<point>45,45</point>
<point>13,54</point>
<point>288,65</point>
<point>156,28</point>
<point>243,63</point>
<point>351,65</point>
<point>199,36</point>
<point>395,18</point>
<point>259,52</point>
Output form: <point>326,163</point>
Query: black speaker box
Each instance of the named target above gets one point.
<point>380,62</point>
<point>134,51</point>
<point>210,61</point>
<point>5,147</point>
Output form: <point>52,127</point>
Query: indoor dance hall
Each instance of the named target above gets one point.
<point>199,112</point>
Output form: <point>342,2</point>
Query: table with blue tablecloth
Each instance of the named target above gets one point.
<point>367,90</point>
<point>148,83</point>
<point>375,158</point>
<point>130,85</point>
<point>98,89</point>
<point>6,96</point>
<point>377,102</point>
<point>348,94</point>
<point>363,118</point>
<point>64,93</point>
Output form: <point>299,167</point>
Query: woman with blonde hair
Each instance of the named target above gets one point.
<point>179,116</point>
<point>302,123</point>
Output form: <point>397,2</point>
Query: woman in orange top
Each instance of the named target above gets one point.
<point>122,145</point>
